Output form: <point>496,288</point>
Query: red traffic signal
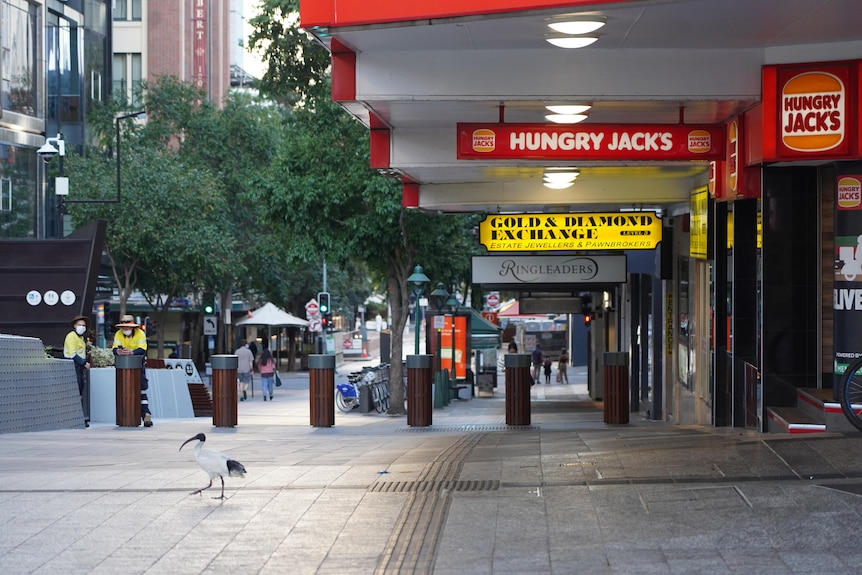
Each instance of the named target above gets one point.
<point>588,319</point>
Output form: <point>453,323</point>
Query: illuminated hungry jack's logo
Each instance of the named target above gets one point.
<point>813,112</point>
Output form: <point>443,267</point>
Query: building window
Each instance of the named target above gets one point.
<point>128,10</point>
<point>18,37</point>
<point>128,80</point>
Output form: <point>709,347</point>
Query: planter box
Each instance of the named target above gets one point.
<point>168,394</point>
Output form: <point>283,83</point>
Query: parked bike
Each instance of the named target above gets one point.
<point>850,392</point>
<point>373,381</point>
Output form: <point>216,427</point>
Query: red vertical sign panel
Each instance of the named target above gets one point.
<point>200,33</point>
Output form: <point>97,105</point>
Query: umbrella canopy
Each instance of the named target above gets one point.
<point>272,315</point>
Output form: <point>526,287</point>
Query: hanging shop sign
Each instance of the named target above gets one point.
<point>653,142</point>
<point>810,111</point>
<point>599,231</point>
<point>524,270</point>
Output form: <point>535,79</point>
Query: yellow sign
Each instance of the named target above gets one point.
<point>539,232</point>
<point>699,229</point>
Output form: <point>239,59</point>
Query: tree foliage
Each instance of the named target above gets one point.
<point>324,191</point>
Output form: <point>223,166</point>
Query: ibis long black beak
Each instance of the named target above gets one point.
<point>198,437</point>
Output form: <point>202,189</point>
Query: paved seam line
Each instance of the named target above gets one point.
<point>412,546</point>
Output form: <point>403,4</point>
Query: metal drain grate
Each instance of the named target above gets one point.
<point>434,486</point>
<point>466,428</point>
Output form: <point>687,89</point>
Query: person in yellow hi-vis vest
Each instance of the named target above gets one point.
<point>130,339</point>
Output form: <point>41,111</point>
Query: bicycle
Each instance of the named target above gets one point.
<point>850,392</point>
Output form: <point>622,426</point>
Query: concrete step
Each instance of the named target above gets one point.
<point>820,406</point>
<point>792,420</point>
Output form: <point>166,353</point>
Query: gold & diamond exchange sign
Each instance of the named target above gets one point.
<point>538,232</point>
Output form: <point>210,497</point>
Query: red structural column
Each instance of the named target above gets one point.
<point>517,388</point>
<point>616,408</point>
<point>128,388</point>
<point>419,397</point>
<point>224,368</point>
<point>322,393</point>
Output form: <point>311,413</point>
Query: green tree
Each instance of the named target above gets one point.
<point>167,235</point>
<point>320,184</point>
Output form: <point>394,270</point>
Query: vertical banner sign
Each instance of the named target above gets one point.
<point>200,33</point>
<point>699,223</point>
<point>460,345</point>
<point>847,290</point>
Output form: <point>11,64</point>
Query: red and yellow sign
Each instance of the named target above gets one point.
<point>849,193</point>
<point>653,142</point>
<point>810,111</point>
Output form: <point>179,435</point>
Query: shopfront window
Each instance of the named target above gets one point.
<point>17,197</point>
<point>18,38</point>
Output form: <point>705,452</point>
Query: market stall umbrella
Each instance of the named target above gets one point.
<point>272,316</point>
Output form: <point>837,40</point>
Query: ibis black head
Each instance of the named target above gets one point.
<point>199,437</point>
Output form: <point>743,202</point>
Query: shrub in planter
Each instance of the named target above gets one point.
<point>102,357</point>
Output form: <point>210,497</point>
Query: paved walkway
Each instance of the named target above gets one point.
<point>567,494</point>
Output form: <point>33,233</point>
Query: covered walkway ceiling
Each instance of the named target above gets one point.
<point>656,61</point>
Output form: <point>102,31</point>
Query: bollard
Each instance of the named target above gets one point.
<point>224,368</point>
<point>517,388</point>
<point>128,381</point>
<point>419,402</point>
<point>322,393</point>
<point>616,374</point>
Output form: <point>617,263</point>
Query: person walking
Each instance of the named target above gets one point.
<point>537,362</point>
<point>266,367</point>
<point>130,339</point>
<point>77,347</point>
<point>561,366</point>
<point>244,369</point>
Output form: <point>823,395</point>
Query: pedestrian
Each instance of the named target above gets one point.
<point>77,348</point>
<point>244,369</point>
<point>513,347</point>
<point>266,367</point>
<point>547,363</point>
<point>537,361</point>
<point>130,339</point>
<point>561,366</point>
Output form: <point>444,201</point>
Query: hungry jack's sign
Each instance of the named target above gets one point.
<point>653,142</point>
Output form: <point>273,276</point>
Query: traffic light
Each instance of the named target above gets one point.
<point>588,319</point>
<point>209,303</point>
<point>323,303</point>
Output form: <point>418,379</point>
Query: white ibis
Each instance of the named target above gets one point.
<point>215,463</point>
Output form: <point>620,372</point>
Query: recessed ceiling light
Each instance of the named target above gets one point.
<point>558,186</point>
<point>565,118</point>
<point>560,177</point>
<point>571,41</point>
<point>576,26</point>
<point>567,108</point>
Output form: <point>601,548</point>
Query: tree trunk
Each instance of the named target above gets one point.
<point>399,299</point>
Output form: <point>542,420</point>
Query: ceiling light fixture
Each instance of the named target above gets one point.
<point>558,185</point>
<point>576,26</point>
<point>571,41</point>
<point>558,177</point>
<point>567,108</point>
<point>566,118</point>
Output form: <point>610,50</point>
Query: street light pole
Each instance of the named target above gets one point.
<point>418,280</point>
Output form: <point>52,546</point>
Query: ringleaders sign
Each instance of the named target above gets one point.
<point>653,142</point>
<point>540,232</point>
<point>542,270</point>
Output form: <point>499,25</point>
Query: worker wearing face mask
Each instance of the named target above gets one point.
<point>130,339</point>
<point>75,347</point>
